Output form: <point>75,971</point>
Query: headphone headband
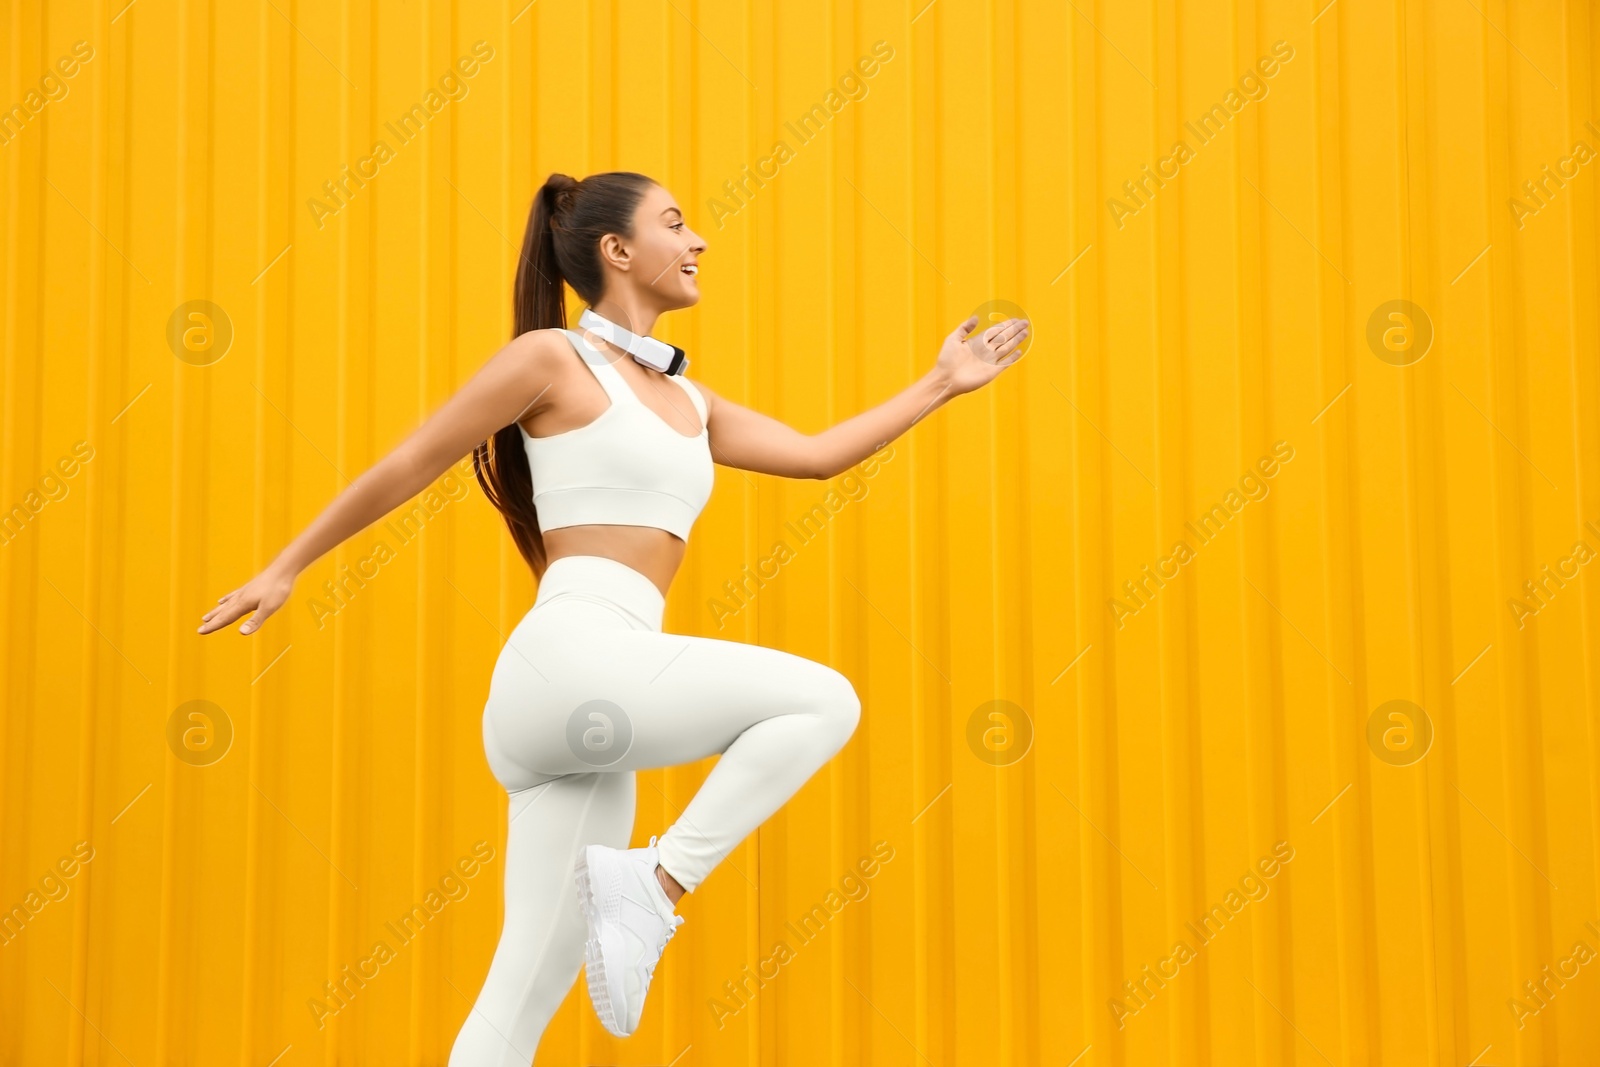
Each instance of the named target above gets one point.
<point>668,359</point>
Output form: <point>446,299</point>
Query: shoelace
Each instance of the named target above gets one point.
<point>672,928</point>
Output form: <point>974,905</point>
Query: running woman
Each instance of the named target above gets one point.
<point>598,452</point>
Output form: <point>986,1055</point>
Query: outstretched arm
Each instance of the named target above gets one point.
<point>752,441</point>
<point>512,384</point>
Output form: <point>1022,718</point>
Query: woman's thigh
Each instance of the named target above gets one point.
<point>577,689</point>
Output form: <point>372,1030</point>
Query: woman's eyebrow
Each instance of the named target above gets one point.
<point>673,211</point>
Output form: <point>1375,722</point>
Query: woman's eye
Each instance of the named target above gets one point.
<point>677,225</point>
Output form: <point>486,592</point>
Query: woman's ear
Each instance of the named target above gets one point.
<point>614,251</point>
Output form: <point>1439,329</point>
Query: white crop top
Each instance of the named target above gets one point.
<point>627,467</point>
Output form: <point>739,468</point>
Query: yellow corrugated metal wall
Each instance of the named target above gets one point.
<point>1234,505</point>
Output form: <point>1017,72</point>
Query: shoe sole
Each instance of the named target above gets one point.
<point>594,960</point>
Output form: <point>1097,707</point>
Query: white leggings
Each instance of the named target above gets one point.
<point>586,691</point>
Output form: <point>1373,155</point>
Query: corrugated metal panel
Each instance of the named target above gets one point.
<point>1359,524</point>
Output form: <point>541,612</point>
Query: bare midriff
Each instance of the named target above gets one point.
<point>654,553</point>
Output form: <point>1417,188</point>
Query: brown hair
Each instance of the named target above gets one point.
<point>561,244</point>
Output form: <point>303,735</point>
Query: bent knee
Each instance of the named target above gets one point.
<point>841,709</point>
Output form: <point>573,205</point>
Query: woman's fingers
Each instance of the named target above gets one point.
<point>221,600</point>
<point>221,607</point>
<point>1003,339</point>
<point>217,622</point>
<point>254,622</point>
<point>217,618</point>
<point>997,336</point>
<point>1014,337</point>
<point>1009,329</point>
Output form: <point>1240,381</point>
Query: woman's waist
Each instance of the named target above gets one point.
<point>604,580</point>
<point>651,551</point>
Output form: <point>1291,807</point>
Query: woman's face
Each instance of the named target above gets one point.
<point>665,251</point>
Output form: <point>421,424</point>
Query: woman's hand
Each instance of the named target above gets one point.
<point>263,594</point>
<point>969,362</point>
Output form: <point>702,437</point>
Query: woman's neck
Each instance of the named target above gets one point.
<point>632,314</point>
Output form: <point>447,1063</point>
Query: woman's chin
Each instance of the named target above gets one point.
<point>674,296</point>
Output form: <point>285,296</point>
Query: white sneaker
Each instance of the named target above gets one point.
<point>630,922</point>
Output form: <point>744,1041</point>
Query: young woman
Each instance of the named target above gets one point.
<point>600,463</point>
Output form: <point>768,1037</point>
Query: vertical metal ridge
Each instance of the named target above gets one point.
<point>997,184</point>
<point>760,387</point>
<point>1183,794</point>
<point>1442,874</point>
<point>251,1022</point>
<point>12,617</point>
<point>1339,338</point>
<point>89,636</point>
<point>1022,995</point>
<point>1585,414</point>
<point>843,625</point>
<point>173,831</point>
<point>924,732</point>
<point>1519,705</point>
<point>1101,914</point>
<point>1409,678</point>
<point>26,314</point>
<point>10,672</point>
<point>1264,692</point>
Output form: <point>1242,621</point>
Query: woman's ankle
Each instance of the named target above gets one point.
<point>669,885</point>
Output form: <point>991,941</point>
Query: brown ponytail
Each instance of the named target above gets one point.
<point>561,243</point>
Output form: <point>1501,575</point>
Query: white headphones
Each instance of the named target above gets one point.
<point>668,359</point>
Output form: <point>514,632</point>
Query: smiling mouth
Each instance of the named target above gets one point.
<point>690,269</point>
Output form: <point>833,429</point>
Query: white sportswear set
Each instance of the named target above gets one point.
<point>588,689</point>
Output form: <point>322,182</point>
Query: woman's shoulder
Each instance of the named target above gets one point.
<point>547,351</point>
<point>542,358</point>
<point>550,339</point>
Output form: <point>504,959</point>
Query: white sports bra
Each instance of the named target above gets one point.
<point>625,468</point>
